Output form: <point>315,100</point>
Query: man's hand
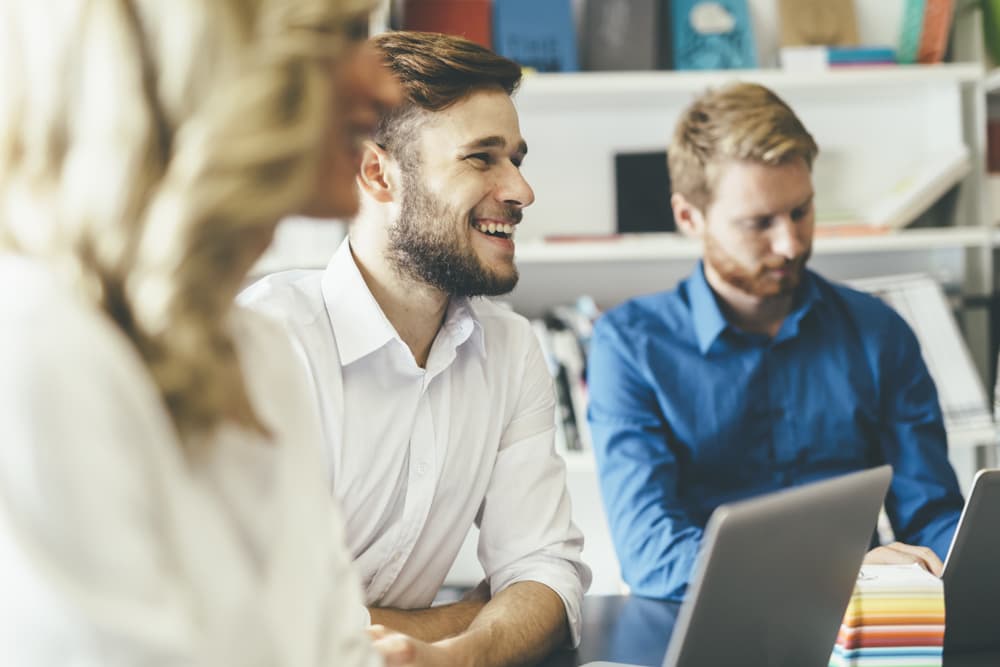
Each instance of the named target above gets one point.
<point>898,553</point>
<point>399,650</point>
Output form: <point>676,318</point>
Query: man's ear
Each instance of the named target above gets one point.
<point>374,177</point>
<point>687,216</point>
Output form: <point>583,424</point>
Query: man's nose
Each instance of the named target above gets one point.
<point>787,238</point>
<point>513,188</point>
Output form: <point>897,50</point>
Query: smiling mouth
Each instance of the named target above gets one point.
<point>499,230</point>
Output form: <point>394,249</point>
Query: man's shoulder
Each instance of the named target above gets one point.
<point>294,297</point>
<point>866,309</point>
<point>639,315</point>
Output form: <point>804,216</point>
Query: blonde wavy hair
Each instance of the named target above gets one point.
<point>740,121</point>
<point>148,149</point>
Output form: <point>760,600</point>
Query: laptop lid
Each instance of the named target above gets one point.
<point>776,574</point>
<point>972,571</point>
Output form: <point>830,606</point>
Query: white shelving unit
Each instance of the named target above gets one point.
<point>878,129</point>
<point>674,246</point>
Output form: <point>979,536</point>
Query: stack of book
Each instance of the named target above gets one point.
<point>564,336</point>
<point>802,58</point>
<point>895,618</point>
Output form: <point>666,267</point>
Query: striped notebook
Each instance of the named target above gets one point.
<point>895,619</point>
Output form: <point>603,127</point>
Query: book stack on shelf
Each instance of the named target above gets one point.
<point>926,30</point>
<point>564,336</point>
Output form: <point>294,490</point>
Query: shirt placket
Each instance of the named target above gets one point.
<point>421,483</point>
<point>782,443</point>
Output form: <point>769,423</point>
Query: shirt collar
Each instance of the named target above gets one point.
<point>461,323</point>
<point>360,327</point>
<point>709,322</point>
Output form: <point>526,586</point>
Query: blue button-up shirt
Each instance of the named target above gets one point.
<point>687,412</point>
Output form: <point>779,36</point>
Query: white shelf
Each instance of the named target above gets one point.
<point>666,246</point>
<point>609,85</point>
<point>991,81</point>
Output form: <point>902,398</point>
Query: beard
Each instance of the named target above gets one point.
<point>756,281</point>
<point>429,242</point>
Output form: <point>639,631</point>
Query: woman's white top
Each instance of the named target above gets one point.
<point>116,549</point>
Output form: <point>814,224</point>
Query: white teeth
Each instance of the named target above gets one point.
<point>495,228</point>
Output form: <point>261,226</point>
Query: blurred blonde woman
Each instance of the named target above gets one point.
<point>161,501</point>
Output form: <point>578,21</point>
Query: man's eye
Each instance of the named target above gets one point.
<point>754,224</point>
<point>485,158</point>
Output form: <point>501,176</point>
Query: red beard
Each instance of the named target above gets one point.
<point>759,281</point>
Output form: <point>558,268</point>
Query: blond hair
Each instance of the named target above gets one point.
<point>148,149</point>
<point>741,121</point>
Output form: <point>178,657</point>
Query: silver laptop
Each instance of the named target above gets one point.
<point>972,572</point>
<point>775,575</point>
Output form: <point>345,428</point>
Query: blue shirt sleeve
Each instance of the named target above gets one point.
<point>924,500</point>
<point>655,536</point>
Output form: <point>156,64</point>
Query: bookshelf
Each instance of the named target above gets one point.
<point>873,126</point>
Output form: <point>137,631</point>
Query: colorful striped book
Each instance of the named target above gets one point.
<point>895,618</point>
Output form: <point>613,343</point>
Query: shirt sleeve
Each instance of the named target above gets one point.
<point>655,537</point>
<point>924,500</point>
<point>526,530</point>
<point>83,573</point>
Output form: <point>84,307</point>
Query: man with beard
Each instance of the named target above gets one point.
<point>438,407</point>
<point>756,374</point>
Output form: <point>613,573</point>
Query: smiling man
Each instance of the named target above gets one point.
<point>438,407</point>
<point>756,374</point>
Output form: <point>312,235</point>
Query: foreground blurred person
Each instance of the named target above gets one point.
<point>161,500</point>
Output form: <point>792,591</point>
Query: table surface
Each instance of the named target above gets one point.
<point>621,628</point>
<point>636,630</point>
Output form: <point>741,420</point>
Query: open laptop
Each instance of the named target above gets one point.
<point>775,575</point>
<point>972,572</point>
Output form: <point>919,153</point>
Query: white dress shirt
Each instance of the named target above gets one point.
<point>116,549</point>
<point>417,455</point>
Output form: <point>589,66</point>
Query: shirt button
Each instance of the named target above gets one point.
<point>421,468</point>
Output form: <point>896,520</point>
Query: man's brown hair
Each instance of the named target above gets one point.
<point>435,71</point>
<point>741,121</point>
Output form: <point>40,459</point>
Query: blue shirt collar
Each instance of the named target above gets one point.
<point>710,322</point>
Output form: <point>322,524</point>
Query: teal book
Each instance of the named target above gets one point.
<point>536,33</point>
<point>912,26</point>
<point>712,34</point>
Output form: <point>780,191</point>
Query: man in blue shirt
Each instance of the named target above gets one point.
<point>755,373</point>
